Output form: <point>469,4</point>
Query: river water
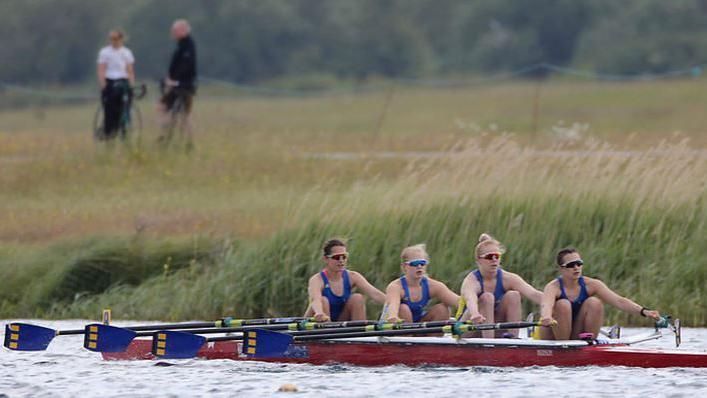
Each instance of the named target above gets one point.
<point>67,370</point>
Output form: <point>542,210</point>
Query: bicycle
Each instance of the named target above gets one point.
<point>130,124</point>
<point>177,114</point>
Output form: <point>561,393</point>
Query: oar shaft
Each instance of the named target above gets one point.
<point>395,332</point>
<point>407,329</point>
<point>223,324</point>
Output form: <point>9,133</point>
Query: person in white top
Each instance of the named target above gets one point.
<point>116,74</point>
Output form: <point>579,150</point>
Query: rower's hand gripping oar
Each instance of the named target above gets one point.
<point>674,326</point>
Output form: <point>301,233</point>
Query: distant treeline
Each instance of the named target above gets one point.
<point>55,41</point>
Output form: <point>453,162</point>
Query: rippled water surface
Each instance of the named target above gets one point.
<point>67,370</point>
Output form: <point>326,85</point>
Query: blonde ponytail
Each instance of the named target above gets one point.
<point>486,239</point>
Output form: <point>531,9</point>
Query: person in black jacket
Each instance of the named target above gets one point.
<point>180,83</point>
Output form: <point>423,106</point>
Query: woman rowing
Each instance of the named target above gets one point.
<point>491,294</point>
<point>574,304</point>
<point>407,297</point>
<point>331,294</point>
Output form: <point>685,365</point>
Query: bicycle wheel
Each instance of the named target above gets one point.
<point>98,133</point>
<point>131,130</point>
<point>174,123</point>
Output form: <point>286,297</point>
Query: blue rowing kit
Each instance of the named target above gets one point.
<point>336,303</point>
<point>577,303</point>
<point>416,307</point>
<point>498,292</point>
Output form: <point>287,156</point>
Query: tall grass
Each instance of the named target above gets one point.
<point>638,218</point>
<point>85,226</point>
<point>41,280</point>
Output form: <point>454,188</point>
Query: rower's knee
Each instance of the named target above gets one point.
<point>486,299</point>
<point>562,308</point>
<point>512,297</point>
<point>404,311</point>
<point>594,305</point>
<point>325,305</point>
<point>440,312</point>
<point>357,299</point>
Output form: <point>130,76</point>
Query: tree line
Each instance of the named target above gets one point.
<point>246,41</point>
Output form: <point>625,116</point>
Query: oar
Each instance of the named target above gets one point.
<point>175,344</point>
<point>266,343</point>
<point>107,338</point>
<point>27,337</point>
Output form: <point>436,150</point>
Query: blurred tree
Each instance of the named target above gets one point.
<point>255,40</point>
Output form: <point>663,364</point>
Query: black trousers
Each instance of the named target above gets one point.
<point>116,97</point>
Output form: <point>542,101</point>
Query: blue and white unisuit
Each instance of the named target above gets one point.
<point>577,303</point>
<point>498,292</point>
<point>336,303</point>
<point>416,307</point>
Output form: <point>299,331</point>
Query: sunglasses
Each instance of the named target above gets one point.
<point>338,257</point>
<point>115,38</point>
<point>572,264</point>
<point>491,256</point>
<point>421,262</point>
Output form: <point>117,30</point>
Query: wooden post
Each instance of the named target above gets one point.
<point>384,111</point>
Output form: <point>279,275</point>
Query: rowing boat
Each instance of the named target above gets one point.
<point>449,351</point>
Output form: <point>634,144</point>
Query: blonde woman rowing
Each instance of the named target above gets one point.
<point>407,297</point>
<point>491,294</point>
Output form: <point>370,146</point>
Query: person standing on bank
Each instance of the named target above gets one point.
<point>116,75</point>
<point>180,82</point>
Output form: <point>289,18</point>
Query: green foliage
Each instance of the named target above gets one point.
<point>255,40</point>
<point>648,259</point>
<point>52,277</point>
<point>637,218</point>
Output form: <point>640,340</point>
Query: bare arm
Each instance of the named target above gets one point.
<point>469,292</point>
<point>131,74</point>
<point>314,290</point>
<point>101,72</point>
<point>440,291</point>
<point>547,302</point>
<point>524,288</point>
<point>393,293</point>
<point>369,290</point>
<point>610,297</point>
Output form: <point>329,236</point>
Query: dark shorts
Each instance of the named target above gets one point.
<point>186,97</point>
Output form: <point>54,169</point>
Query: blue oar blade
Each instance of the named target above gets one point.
<point>176,345</point>
<point>26,337</point>
<point>262,343</point>
<point>105,338</point>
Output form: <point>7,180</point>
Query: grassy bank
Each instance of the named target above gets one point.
<point>87,227</point>
<point>639,219</point>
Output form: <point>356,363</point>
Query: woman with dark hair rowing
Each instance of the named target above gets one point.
<point>331,295</point>
<point>573,304</point>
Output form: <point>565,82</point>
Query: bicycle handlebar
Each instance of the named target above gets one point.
<point>139,91</point>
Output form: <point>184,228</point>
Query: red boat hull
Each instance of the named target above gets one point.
<point>372,353</point>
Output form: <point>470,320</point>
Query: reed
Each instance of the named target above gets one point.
<point>637,217</point>
<point>84,227</point>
